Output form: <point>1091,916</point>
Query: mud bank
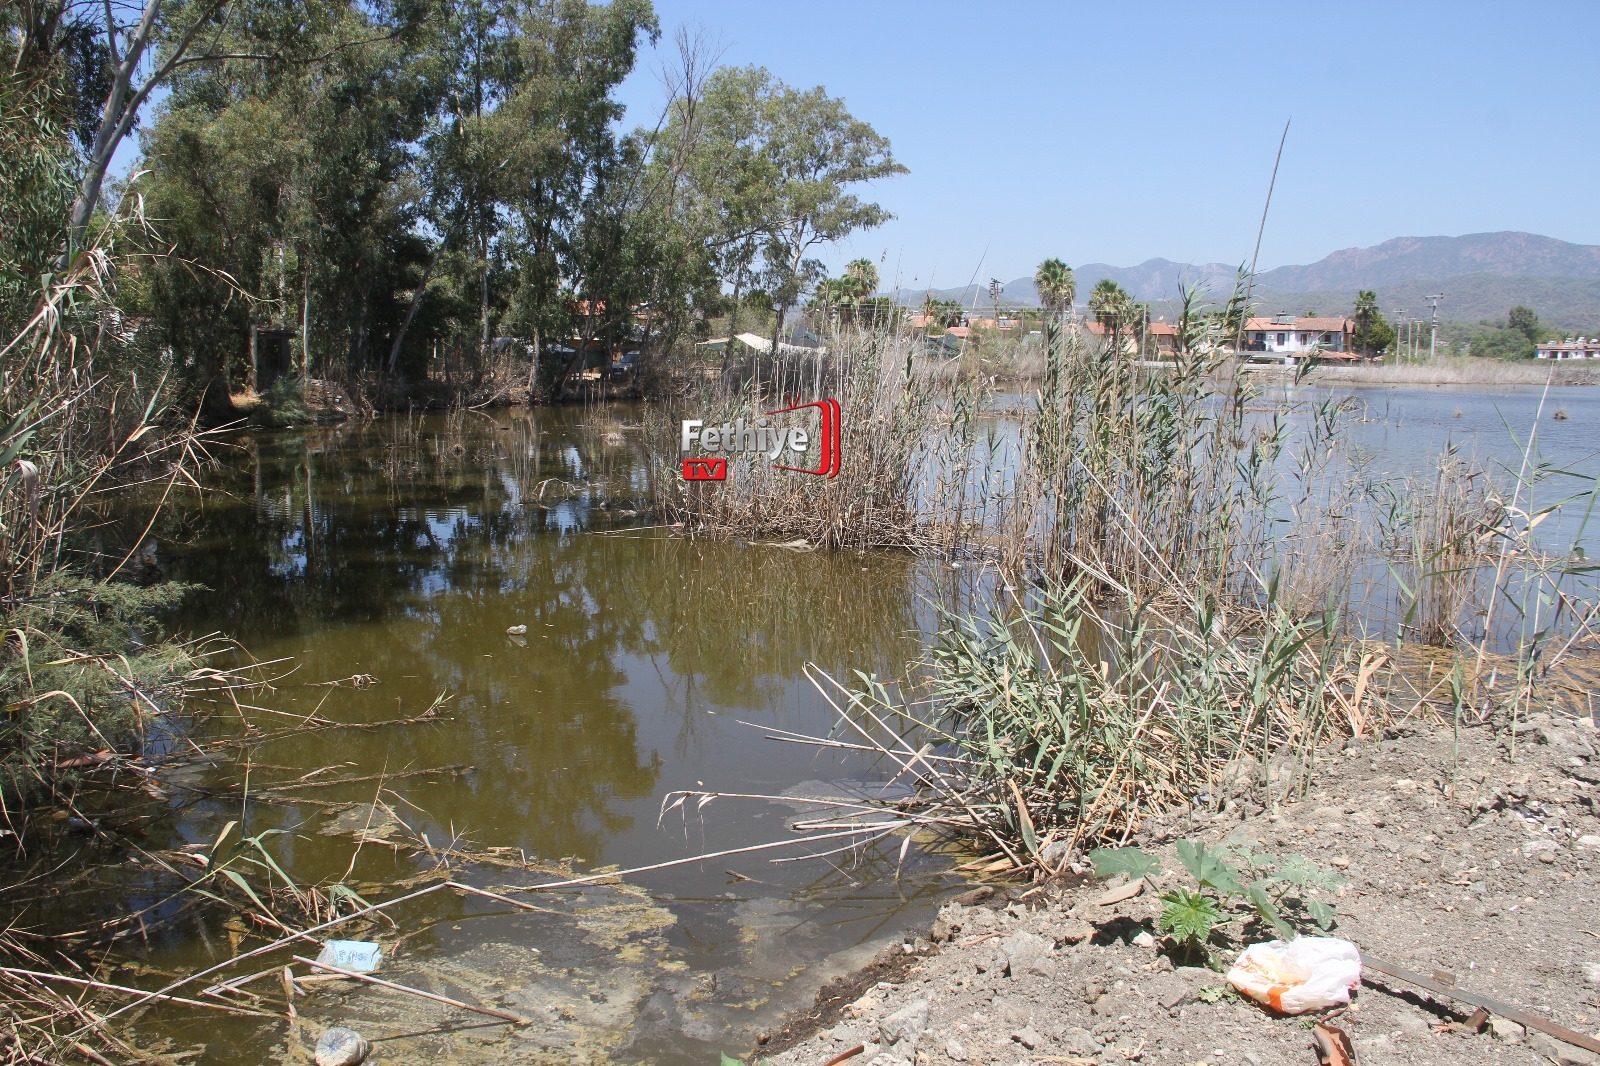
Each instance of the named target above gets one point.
<point>1478,859</point>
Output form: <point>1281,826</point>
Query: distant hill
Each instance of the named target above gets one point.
<point>1481,276</point>
<point>1506,254</point>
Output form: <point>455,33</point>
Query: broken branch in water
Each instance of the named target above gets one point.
<point>514,1019</point>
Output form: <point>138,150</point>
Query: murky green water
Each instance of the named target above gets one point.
<point>402,551</point>
<point>399,553</point>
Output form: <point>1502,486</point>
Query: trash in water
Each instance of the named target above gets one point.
<point>516,631</point>
<point>1310,973</point>
<point>340,1046</point>
<point>356,955</point>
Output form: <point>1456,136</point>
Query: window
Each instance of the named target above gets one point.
<point>1282,339</point>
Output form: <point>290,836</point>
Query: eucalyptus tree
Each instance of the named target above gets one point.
<point>773,171</point>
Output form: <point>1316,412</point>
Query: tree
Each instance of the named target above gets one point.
<point>865,274</point>
<point>775,168</point>
<point>1366,312</point>
<point>1525,321</point>
<point>1114,308</point>
<point>1057,289</point>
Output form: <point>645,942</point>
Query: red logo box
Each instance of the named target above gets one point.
<point>705,470</point>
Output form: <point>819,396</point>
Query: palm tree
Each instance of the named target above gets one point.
<point>1366,311</point>
<point>864,271</point>
<point>1113,307</point>
<point>1057,289</point>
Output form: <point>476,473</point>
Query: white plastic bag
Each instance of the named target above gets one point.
<point>1310,973</point>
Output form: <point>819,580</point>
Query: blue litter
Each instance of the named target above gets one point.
<point>356,955</point>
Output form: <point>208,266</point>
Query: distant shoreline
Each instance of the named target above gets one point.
<point>1460,372</point>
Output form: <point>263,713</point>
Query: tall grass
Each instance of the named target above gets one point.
<point>905,442</point>
<point>83,411</point>
<point>1192,555</point>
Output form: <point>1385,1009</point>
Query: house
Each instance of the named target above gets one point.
<point>1291,335</point>
<point>1164,335</point>
<point>1581,348</point>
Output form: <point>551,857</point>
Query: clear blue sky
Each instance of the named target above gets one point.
<point>1116,132</point>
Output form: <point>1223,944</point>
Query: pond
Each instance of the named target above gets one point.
<point>381,565</point>
<point>398,554</point>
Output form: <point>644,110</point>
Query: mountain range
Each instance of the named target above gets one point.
<point>1481,276</point>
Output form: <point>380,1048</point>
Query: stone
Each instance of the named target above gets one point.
<point>342,1047</point>
<point>1079,1041</point>
<point>883,1058</point>
<point>1026,953</point>
<point>1144,940</point>
<point>1591,971</point>
<point>1559,1051</point>
<point>1589,842</point>
<point>1055,853</point>
<point>1075,931</point>
<point>1170,990</point>
<point>905,1027</point>
<point>1505,1030</point>
<point>955,1050</point>
<point>1121,893</point>
<point>1028,1037</point>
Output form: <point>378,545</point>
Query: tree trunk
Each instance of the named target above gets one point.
<point>416,301</point>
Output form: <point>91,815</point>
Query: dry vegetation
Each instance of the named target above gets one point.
<point>1174,585</point>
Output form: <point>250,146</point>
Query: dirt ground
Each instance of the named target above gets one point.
<point>1478,860</point>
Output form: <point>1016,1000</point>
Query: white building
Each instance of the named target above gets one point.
<point>1291,335</point>
<point>1581,348</point>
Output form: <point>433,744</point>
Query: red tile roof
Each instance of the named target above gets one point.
<point>1311,324</point>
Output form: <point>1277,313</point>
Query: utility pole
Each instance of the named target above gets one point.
<point>1399,344</point>
<point>994,294</point>
<point>1433,337</point>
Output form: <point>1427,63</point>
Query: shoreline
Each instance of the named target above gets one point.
<point>1472,860</point>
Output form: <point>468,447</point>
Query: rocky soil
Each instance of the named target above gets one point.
<point>1476,858</point>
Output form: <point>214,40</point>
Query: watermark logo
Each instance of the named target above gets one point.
<point>760,437</point>
<point>705,469</point>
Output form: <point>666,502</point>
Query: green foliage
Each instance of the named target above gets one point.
<point>1283,894</point>
<point>1056,287</point>
<point>1108,862</point>
<point>1190,918</point>
<point>1525,321</point>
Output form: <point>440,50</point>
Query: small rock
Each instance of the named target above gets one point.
<point>1547,856</point>
<point>516,631</point>
<point>1055,853</point>
<point>1169,990</point>
<point>955,1050</point>
<point>1558,1051</point>
<point>843,1033</point>
<point>1144,940</point>
<point>1589,842</point>
<point>1077,1040</point>
<point>1027,952</point>
<point>1506,1030</point>
<point>1075,931</point>
<point>1591,970</point>
<point>906,1025</point>
<point>883,1058</point>
<point>341,1047</point>
<point>1028,1037</point>
<point>1120,893</point>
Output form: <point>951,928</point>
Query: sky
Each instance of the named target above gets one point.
<point>1119,132</point>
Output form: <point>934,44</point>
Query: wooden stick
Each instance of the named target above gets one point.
<point>86,983</point>
<point>341,971</point>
